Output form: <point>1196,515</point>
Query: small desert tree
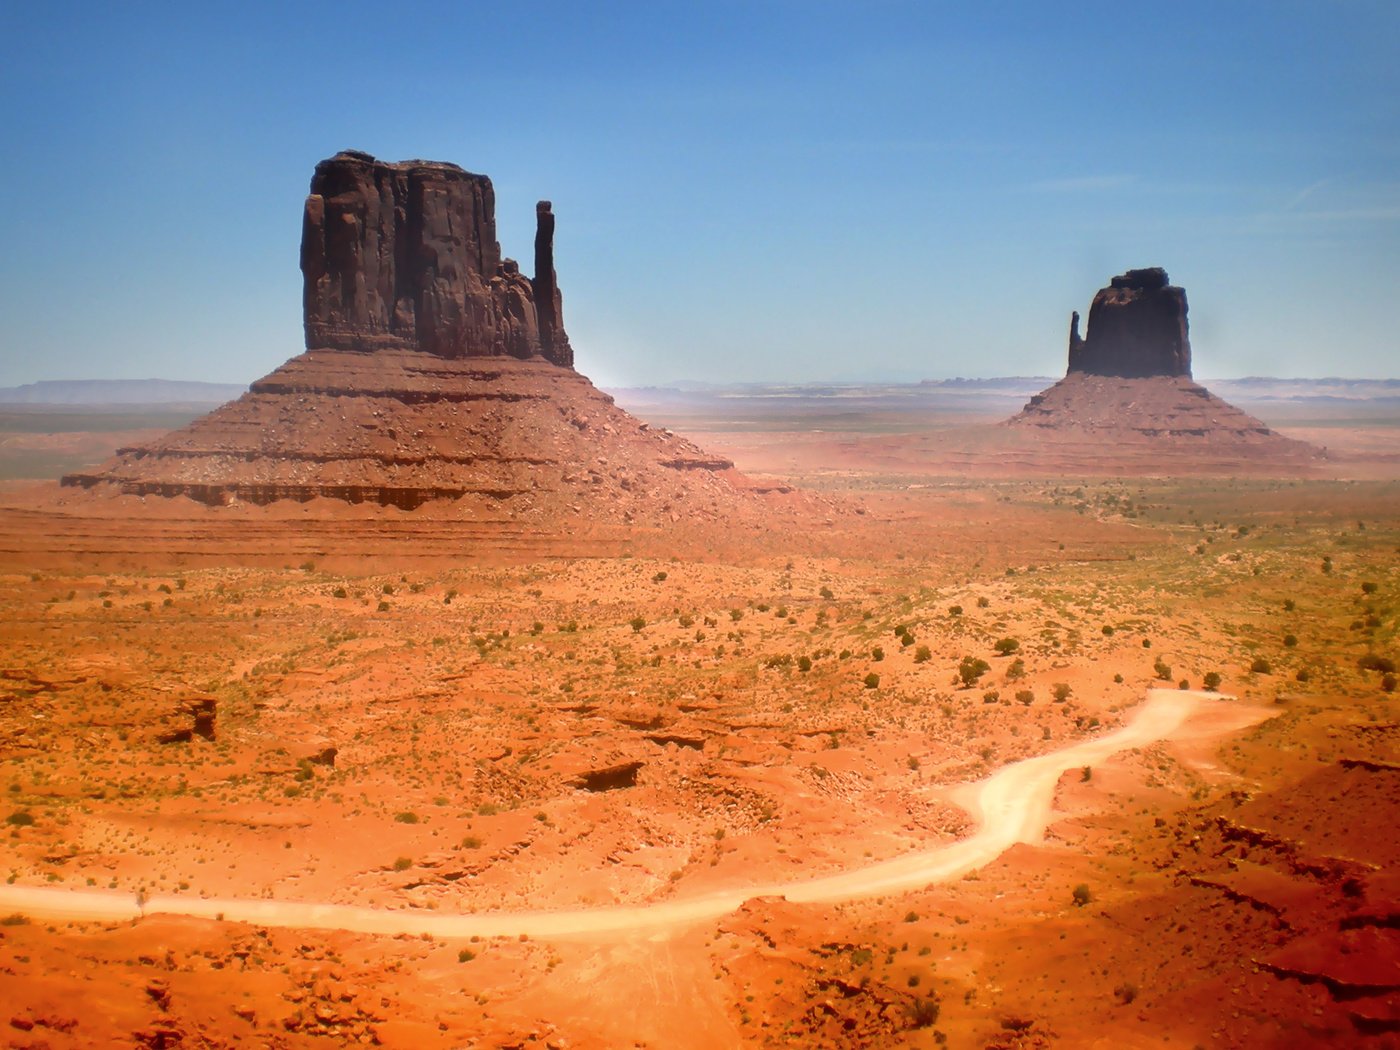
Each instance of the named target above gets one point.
<point>972,668</point>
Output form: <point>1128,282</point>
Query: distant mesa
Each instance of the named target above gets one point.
<point>434,370</point>
<point>1129,394</point>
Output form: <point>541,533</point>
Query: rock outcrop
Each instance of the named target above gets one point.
<point>434,371</point>
<point>1137,328</point>
<point>1128,397</point>
<point>405,257</point>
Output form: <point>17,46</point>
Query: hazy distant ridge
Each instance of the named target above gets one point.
<point>119,392</point>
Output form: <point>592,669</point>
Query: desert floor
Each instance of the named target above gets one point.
<point>453,737</point>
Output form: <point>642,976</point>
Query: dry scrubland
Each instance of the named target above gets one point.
<point>577,733</point>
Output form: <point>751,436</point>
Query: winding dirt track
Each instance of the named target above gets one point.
<point>1013,805</point>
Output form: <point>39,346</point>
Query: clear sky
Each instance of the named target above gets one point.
<point>753,190</point>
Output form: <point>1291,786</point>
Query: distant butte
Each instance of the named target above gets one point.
<point>1137,328</point>
<point>434,370</point>
<point>1128,391</point>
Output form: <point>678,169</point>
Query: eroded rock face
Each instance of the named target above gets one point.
<point>405,257</point>
<point>1137,328</point>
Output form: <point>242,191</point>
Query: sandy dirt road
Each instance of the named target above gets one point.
<point>1013,805</point>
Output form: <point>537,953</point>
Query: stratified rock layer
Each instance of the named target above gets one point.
<point>401,428</point>
<point>1137,328</point>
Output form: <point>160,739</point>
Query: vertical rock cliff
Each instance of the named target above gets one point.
<point>1137,328</point>
<point>405,257</point>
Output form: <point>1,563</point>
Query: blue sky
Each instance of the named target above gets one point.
<point>761,190</point>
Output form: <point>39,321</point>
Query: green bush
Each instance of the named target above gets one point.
<point>922,654</point>
<point>972,668</point>
<point>1061,692</point>
<point>872,681</point>
<point>1211,681</point>
<point>637,623</point>
<point>1260,666</point>
<point>1007,646</point>
<point>804,664</point>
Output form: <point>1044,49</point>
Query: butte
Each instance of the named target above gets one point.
<point>436,375</point>
<point>1128,402</point>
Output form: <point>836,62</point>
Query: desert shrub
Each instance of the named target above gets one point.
<point>403,864</point>
<point>991,696</point>
<point>1061,692</point>
<point>466,955</point>
<point>383,606</point>
<point>955,610</point>
<point>983,602</point>
<point>1126,992</point>
<point>1016,670</point>
<point>872,681</point>
<point>1303,674</point>
<point>637,623</point>
<point>877,654</point>
<point>1183,684</point>
<point>923,1013</point>
<point>1211,680</point>
<point>1118,679</point>
<point>1368,588</point>
<point>1107,630</point>
<point>1081,895</point>
<point>1086,774</point>
<point>1289,605</point>
<point>826,594</point>
<point>972,668</point>
<point>1388,683</point>
<point>471,842</point>
<point>1025,696</point>
<point>407,817</point>
<point>659,577</point>
<point>804,664</point>
<point>1007,646</point>
<point>911,916</point>
<point>923,654</point>
<point>1260,666</point>
<point>1290,640</point>
<point>1147,643</point>
<point>736,614</point>
<point>340,592</point>
<point>20,818</point>
<point>1162,670</point>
